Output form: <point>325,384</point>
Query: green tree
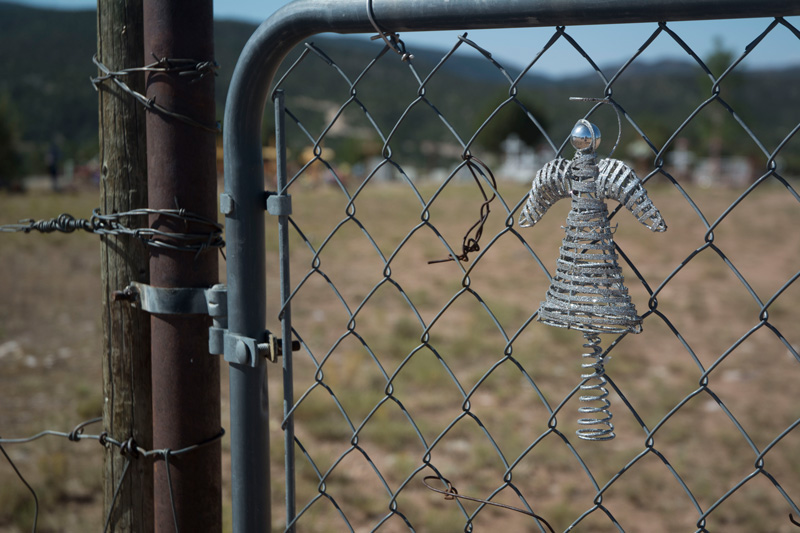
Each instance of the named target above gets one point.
<point>718,133</point>
<point>10,160</point>
<point>514,117</point>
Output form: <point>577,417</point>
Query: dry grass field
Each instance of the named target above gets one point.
<point>365,336</point>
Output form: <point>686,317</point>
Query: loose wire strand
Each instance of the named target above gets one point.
<point>451,493</point>
<point>128,448</point>
<point>24,482</point>
<point>472,244</point>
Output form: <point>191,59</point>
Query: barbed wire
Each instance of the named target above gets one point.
<point>128,448</point>
<point>183,67</point>
<point>111,224</point>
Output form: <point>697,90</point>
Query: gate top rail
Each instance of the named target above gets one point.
<point>288,26</point>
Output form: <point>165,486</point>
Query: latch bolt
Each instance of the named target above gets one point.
<point>273,348</point>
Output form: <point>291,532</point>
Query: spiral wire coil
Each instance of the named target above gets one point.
<point>596,394</point>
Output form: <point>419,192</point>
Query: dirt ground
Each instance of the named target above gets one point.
<point>715,369</point>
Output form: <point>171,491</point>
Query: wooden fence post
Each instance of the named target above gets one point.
<point>127,409</point>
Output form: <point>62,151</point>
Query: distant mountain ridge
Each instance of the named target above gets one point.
<point>46,60</point>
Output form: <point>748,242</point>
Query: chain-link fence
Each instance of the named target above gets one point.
<point>413,291</point>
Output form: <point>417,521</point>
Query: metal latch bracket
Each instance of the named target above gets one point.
<point>244,350</point>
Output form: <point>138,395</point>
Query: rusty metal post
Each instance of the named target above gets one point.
<point>182,173</point>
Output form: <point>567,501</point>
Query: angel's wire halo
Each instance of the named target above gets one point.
<point>616,110</point>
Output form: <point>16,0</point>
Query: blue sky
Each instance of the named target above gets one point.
<point>605,44</point>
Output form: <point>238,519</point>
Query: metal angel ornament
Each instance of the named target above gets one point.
<point>587,292</point>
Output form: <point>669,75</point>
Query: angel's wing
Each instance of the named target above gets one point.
<point>619,182</point>
<point>550,185</point>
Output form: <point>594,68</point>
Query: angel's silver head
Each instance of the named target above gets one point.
<point>585,135</point>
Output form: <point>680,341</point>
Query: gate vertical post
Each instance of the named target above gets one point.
<point>127,409</point>
<point>182,174</point>
<point>246,280</point>
<point>286,312</point>
<point>245,214</point>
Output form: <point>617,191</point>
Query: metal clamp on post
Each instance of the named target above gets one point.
<point>176,301</point>
<point>212,301</point>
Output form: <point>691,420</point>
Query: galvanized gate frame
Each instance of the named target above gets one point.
<point>245,201</point>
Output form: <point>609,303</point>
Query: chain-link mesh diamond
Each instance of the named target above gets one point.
<point>410,369</point>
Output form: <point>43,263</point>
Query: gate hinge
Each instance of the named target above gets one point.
<point>213,302</point>
<point>244,350</point>
<point>279,204</point>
